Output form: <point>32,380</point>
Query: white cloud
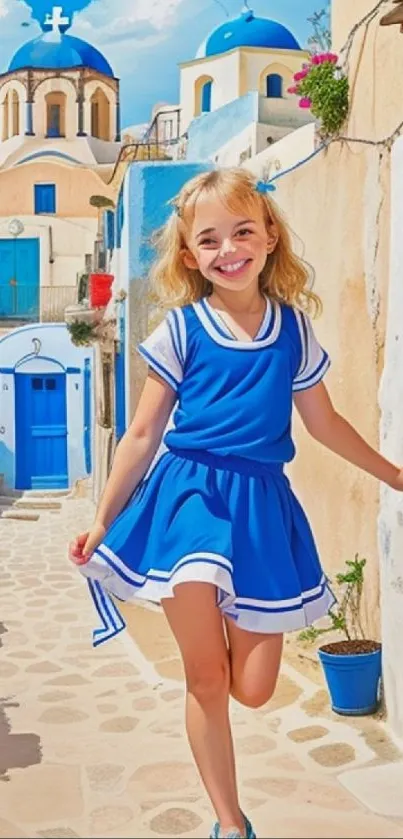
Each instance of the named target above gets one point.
<point>139,20</point>
<point>6,8</point>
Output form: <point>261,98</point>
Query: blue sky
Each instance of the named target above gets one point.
<point>144,40</point>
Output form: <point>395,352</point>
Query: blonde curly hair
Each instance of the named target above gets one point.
<point>285,277</point>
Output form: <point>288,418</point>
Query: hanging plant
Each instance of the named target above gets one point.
<point>82,334</point>
<point>323,89</point>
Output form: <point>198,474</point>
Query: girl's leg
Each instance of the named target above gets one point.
<point>197,625</point>
<point>255,663</point>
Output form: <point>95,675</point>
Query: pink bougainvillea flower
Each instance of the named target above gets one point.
<point>305,102</point>
<point>302,74</point>
<point>323,57</point>
<point>293,89</point>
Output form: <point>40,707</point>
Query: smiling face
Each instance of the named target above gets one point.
<point>229,249</point>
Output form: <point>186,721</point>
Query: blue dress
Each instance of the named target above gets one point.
<point>217,507</point>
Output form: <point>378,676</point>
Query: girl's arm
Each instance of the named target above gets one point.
<point>137,448</point>
<point>333,431</point>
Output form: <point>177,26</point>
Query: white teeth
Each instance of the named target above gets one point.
<point>234,267</point>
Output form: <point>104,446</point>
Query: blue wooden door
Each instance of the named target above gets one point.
<point>19,279</point>
<point>41,431</point>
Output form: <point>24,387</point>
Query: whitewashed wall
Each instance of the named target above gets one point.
<point>390,521</point>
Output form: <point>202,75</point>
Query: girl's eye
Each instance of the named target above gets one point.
<point>244,231</point>
<point>208,242</point>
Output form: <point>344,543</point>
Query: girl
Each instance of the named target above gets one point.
<point>215,533</point>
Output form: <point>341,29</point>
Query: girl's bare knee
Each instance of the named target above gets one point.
<point>208,680</point>
<point>252,696</point>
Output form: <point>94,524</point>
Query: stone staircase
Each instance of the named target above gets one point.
<point>27,505</point>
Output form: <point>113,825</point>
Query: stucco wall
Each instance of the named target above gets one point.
<point>287,152</point>
<point>64,238</point>
<point>391,510</point>
<point>237,73</point>
<point>74,186</point>
<point>375,93</point>
<point>256,64</point>
<point>345,15</point>
<point>209,132</point>
<point>225,134</point>
<point>343,226</point>
<point>225,73</point>
<point>332,227</point>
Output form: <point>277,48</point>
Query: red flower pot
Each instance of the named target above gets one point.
<point>100,290</point>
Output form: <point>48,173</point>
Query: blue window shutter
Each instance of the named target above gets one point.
<point>110,230</point>
<point>206,97</point>
<point>274,86</point>
<point>45,198</point>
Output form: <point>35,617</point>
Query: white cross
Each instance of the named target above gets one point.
<point>56,19</point>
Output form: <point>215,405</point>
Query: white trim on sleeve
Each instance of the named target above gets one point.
<point>314,359</point>
<point>165,349</point>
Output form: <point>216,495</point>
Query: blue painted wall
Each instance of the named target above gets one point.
<point>209,132</point>
<point>151,187</point>
<point>144,208</point>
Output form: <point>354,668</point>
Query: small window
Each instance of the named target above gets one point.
<point>54,121</point>
<point>274,86</point>
<point>45,198</point>
<point>206,97</point>
<point>37,384</point>
<point>110,230</point>
<point>50,384</point>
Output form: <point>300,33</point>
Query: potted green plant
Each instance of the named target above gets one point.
<point>352,666</point>
<point>82,334</point>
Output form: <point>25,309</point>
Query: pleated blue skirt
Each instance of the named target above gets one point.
<point>227,521</point>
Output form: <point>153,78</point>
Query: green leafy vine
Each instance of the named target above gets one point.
<point>323,88</point>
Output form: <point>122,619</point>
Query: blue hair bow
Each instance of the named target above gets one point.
<point>265,186</point>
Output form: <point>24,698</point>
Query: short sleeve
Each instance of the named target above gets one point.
<point>314,361</point>
<point>165,349</point>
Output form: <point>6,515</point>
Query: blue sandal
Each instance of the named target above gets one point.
<point>234,834</point>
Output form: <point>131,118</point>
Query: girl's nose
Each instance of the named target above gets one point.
<point>227,247</point>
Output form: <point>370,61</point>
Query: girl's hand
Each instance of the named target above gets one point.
<point>84,545</point>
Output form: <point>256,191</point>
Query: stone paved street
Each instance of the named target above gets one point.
<point>92,741</point>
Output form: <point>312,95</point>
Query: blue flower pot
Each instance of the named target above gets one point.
<point>353,680</point>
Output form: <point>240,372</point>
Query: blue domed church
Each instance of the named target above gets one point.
<point>59,142</point>
<point>237,86</point>
<point>50,74</point>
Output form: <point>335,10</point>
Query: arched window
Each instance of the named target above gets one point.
<point>56,114</point>
<point>15,114</point>
<point>203,91</point>
<point>274,86</point>
<point>5,118</point>
<point>206,97</point>
<point>100,118</point>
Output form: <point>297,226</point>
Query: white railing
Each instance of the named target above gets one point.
<point>54,301</point>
